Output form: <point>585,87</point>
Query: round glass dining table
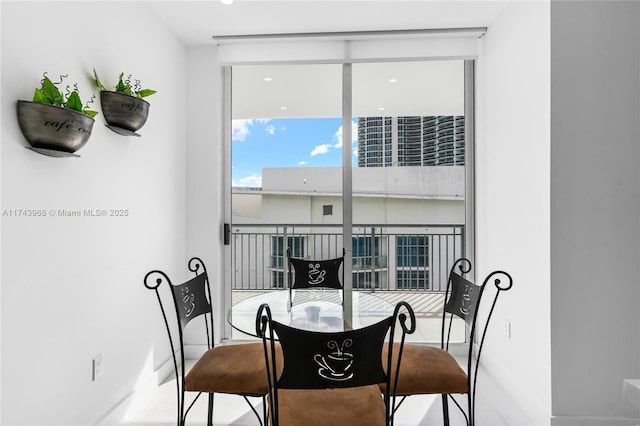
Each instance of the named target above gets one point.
<point>316,310</point>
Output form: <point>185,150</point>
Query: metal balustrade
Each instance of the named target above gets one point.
<point>384,257</point>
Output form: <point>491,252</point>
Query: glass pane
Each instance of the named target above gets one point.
<point>286,171</point>
<point>409,183</point>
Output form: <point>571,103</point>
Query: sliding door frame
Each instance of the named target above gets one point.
<point>228,62</point>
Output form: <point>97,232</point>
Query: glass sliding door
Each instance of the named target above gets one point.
<point>401,182</point>
<point>409,182</point>
<point>286,159</point>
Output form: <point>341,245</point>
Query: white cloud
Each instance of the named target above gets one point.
<point>337,140</point>
<point>302,163</point>
<point>320,149</point>
<point>337,136</point>
<point>240,128</point>
<point>253,181</point>
<point>270,129</point>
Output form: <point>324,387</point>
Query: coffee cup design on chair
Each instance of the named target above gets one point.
<point>188,301</point>
<point>335,365</point>
<point>316,275</point>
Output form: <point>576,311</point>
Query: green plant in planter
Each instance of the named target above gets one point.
<point>50,94</point>
<point>125,87</point>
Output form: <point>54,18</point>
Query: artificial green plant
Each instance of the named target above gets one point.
<point>125,87</point>
<point>50,94</point>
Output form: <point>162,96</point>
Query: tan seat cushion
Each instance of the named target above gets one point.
<point>359,406</point>
<point>427,370</point>
<point>236,369</point>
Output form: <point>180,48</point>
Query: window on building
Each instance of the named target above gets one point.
<point>279,256</point>
<point>366,262</point>
<point>412,262</point>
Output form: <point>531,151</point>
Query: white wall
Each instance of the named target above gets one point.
<point>72,286</point>
<point>595,232</point>
<point>512,193</point>
<point>204,215</point>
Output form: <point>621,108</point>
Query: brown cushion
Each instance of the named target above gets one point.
<point>237,369</point>
<point>359,406</point>
<point>427,370</point>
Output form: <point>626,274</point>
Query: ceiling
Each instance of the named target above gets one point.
<point>314,90</point>
<point>195,22</point>
<point>419,88</point>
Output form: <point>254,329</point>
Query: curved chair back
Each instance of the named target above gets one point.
<point>320,360</point>
<point>315,274</point>
<point>191,300</point>
<point>463,299</point>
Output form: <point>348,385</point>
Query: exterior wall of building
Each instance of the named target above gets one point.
<point>247,204</point>
<point>388,203</point>
<point>410,141</point>
<point>399,195</point>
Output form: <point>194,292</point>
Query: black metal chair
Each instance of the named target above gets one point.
<point>333,378</point>
<point>232,369</point>
<point>315,274</point>
<point>431,370</point>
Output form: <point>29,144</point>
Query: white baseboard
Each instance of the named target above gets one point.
<point>508,398</point>
<point>194,351</point>
<point>593,421</point>
<point>116,414</point>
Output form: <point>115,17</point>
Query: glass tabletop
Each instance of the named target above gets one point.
<point>316,310</point>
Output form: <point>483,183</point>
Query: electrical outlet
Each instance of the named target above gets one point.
<point>98,367</point>
<point>507,329</point>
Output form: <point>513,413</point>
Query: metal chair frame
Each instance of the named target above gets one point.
<point>188,308</point>
<point>466,305</point>
<point>335,281</point>
<point>266,328</point>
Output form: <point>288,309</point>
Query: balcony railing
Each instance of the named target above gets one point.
<point>384,257</point>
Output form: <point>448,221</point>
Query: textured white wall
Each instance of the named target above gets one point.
<point>595,210</point>
<point>205,197</point>
<point>512,209</point>
<point>72,286</point>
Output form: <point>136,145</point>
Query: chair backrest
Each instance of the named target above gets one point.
<point>464,299</point>
<point>315,274</point>
<point>320,360</point>
<point>461,299</point>
<point>191,299</point>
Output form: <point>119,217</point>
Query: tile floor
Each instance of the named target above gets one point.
<point>158,408</point>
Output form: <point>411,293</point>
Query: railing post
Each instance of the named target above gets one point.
<point>372,252</point>
<point>285,263</point>
<point>263,247</point>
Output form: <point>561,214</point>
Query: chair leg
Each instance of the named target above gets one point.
<point>445,409</point>
<point>210,412</point>
<point>265,411</point>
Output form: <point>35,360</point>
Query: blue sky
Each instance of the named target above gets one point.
<point>294,142</point>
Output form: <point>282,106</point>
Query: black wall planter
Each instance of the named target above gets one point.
<point>53,130</point>
<point>124,114</point>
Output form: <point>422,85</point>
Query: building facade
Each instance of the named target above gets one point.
<point>411,141</point>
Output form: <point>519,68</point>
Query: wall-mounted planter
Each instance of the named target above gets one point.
<point>53,130</point>
<point>124,114</point>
